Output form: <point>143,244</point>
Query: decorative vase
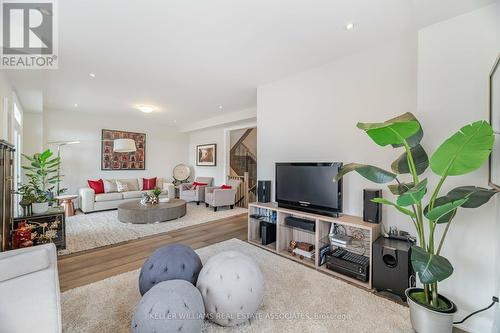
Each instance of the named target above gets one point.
<point>40,207</point>
<point>22,236</point>
<point>427,320</point>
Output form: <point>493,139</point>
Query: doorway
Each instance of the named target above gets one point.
<point>243,162</point>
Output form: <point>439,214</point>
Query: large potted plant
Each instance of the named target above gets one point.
<point>42,178</point>
<point>463,152</point>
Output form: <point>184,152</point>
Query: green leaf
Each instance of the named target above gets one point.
<point>465,151</point>
<point>401,188</point>
<point>29,158</point>
<point>413,195</point>
<point>420,159</point>
<point>437,212</point>
<point>431,268</point>
<point>394,133</point>
<point>45,155</point>
<point>370,172</point>
<point>389,203</point>
<point>415,138</point>
<point>446,217</point>
<point>477,196</point>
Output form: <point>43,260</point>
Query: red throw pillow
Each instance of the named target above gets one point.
<point>96,185</point>
<point>196,184</point>
<point>226,187</point>
<point>148,184</point>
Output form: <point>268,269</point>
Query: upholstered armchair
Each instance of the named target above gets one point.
<point>29,290</point>
<point>187,193</point>
<point>218,197</point>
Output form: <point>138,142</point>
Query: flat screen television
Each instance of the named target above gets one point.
<point>309,187</point>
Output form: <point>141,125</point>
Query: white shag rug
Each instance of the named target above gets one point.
<point>89,231</point>
<point>297,299</point>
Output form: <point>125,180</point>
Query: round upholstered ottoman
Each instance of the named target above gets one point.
<point>171,262</point>
<point>170,306</point>
<point>232,287</point>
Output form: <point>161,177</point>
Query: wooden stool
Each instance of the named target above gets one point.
<point>66,201</point>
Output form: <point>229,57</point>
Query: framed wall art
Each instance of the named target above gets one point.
<point>494,169</point>
<point>111,160</point>
<point>206,155</point>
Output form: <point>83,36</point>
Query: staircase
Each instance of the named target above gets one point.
<point>243,165</point>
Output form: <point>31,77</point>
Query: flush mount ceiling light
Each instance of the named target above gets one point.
<point>221,107</point>
<point>349,26</point>
<point>92,75</point>
<point>146,108</point>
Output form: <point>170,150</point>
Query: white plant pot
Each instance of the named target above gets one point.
<point>426,320</point>
<point>40,207</point>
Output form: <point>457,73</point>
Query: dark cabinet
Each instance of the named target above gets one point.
<point>47,227</point>
<point>6,193</point>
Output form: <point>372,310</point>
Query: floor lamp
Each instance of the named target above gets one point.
<point>59,144</point>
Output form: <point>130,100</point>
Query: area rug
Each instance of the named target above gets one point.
<point>88,231</point>
<point>297,299</point>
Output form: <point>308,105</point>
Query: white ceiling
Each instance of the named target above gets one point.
<point>188,57</point>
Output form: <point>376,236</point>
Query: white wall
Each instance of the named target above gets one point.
<point>454,61</point>
<point>312,116</point>
<point>32,133</point>
<point>220,136</point>
<point>5,92</point>
<point>165,145</point>
<point>497,261</point>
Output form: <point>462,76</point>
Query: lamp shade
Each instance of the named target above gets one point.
<point>124,146</point>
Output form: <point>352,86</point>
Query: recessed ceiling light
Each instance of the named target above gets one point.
<point>92,75</point>
<point>146,108</point>
<point>76,105</point>
<point>349,26</point>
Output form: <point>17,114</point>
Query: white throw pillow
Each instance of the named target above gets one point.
<point>121,186</point>
<point>109,185</point>
<point>132,183</point>
<point>140,182</point>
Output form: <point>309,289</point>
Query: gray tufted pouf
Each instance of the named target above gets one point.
<point>171,262</point>
<point>232,287</point>
<point>170,306</point>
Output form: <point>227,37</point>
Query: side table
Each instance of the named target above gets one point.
<point>66,201</point>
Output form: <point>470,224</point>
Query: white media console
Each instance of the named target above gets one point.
<point>364,233</point>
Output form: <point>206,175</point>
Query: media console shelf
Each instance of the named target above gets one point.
<point>366,234</point>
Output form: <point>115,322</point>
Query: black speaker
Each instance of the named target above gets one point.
<point>372,212</point>
<point>267,232</point>
<point>264,191</point>
<point>392,269</point>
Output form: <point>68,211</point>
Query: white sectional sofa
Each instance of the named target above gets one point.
<point>91,202</point>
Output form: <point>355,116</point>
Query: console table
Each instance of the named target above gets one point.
<point>319,237</point>
<point>52,215</point>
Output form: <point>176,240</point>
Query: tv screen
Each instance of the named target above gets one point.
<point>309,186</point>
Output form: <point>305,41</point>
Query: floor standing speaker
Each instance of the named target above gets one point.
<point>392,269</point>
<point>264,191</point>
<point>372,212</point>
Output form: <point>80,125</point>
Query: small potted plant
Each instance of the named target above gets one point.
<point>463,152</point>
<point>42,177</point>
<point>156,195</point>
<point>27,193</point>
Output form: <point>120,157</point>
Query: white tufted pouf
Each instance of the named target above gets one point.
<point>232,287</point>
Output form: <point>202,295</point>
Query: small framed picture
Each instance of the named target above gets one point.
<point>206,155</point>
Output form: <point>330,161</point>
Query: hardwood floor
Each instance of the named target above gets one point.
<point>85,267</point>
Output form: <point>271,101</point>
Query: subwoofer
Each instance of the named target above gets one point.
<point>372,212</point>
<point>264,191</point>
<point>392,269</point>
